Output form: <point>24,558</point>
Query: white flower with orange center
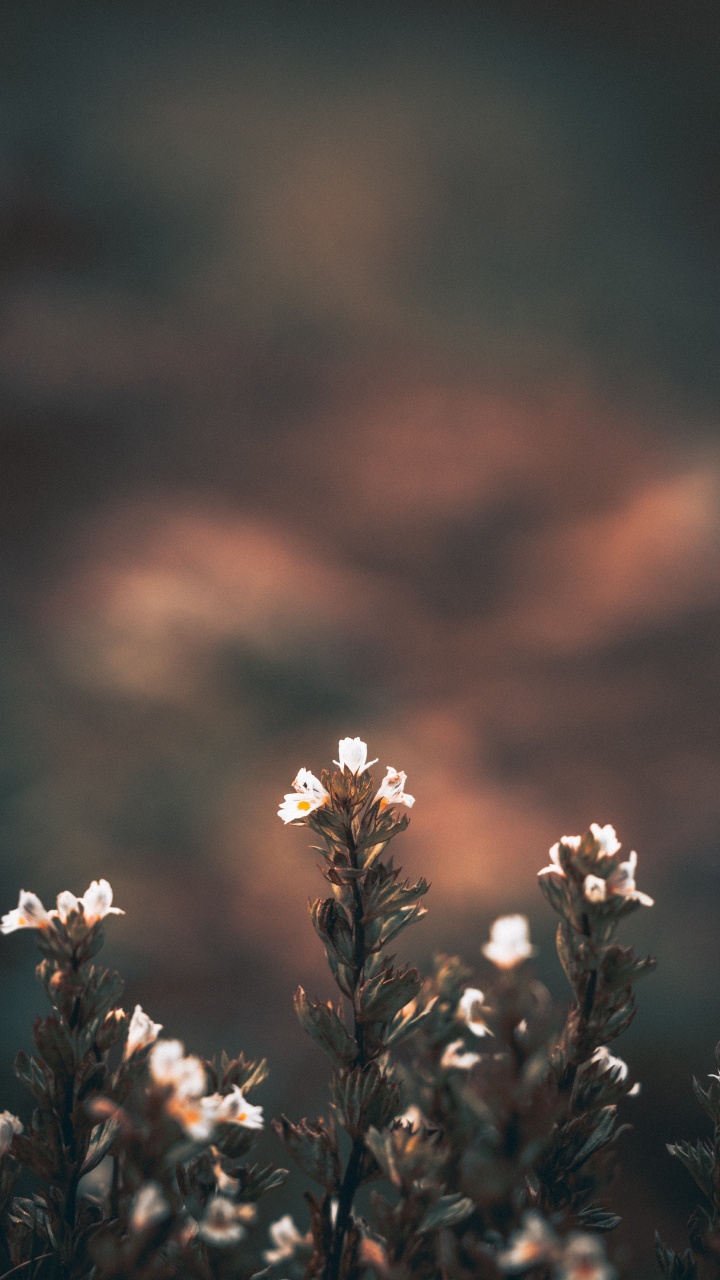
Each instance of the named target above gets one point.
<point>353,755</point>
<point>534,1243</point>
<point>233,1108</point>
<point>222,1225</point>
<point>509,942</point>
<point>622,882</point>
<point>97,902</point>
<point>28,914</point>
<point>308,795</point>
<point>185,1077</point>
<point>392,789</point>
<point>141,1032</point>
<point>470,1010</point>
<point>455,1056</point>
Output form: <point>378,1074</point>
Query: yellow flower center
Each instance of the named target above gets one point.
<point>303,804</point>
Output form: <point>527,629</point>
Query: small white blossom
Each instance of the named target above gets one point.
<point>455,1057</point>
<point>616,1067</point>
<point>594,889</point>
<point>353,755</point>
<point>607,839</point>
<point>141,1032</point>
<point>96,1185</point>
<point>469,1004</point>
<point>509,942</point>
<point>9,1126</point>
<point>635,1091</point>
<point>622,882</point>
<point>28,914</point>
<point>233,1108</point>
<point>67,903</point>
<point>221,1225</point>
<point>534,1243</point>
<point>584,1258</point>
<point>148,1207</point>
<point>286,1238</point>
<point>169,1066</point>
<point>308,794</point>
<point>97,902</point>
<point>555,867</point>
<point>413,1116</point>
<point>392,789</point>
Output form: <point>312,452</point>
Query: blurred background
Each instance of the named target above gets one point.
<point>360,376</point>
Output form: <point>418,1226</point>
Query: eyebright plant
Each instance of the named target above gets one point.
<point>470,1128</point>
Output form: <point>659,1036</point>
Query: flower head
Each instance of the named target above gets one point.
<point>308,794</point>
<point>97,902</point>
<point>9,1126</point>
<point>141,1032</point>
<point>455,1057</point>
<point>234,1109</point>
<point>221,1225</point>
<point>286,1238</point>
<point>534,1243</point>
<point>622,882</point>
<point>509,942</point>
<point>392,789</point>
<point>606,838</point>
<point>594,889</point>
<point>469,1008</point>
<point>170,1067</point>
<point>66,904</point>
<point>353,755</point>
<point>555,866</point>
<point>149,1207</point>
<point>28,914</point>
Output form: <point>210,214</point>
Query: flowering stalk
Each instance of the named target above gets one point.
<point>591,888</point>
<point>369,907</point>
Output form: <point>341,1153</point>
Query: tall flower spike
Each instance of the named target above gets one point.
<point>353,755</point>
<point>28,914</point>
<point>392,789</point>
<point>307,795</point>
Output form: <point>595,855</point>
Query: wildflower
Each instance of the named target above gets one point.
<point>96,1185</point>
<point>97,902</point>
<point>454,1057</point>
<point>615,1067</point>
<point>66,904</point>
<point>534,1243</point>
<point>221,1225</point>
<point>555,866</point>
<point>170,1067</point>
<point>470,1001</point>
<point>309,794</point>
<point>584,1258</point>
<point>392,789</point>
<point>28,914</point>
<point>509,942</point>
<point>413,1116</point>
<point>149,1207</point>
<point>606,838</point>
<point>141,1032</point>
<point>286,1238</point>
<point>234,1109</point>
<point>622,882</point>
<point>9,1126</point>
<point>353,755</point>
<point>594,889</point>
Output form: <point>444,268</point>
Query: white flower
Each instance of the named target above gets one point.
<point>97,902</point>
<point>96,1185</point>
<point>454,1057</point>
<point>169,1066</point>
<point>534,1243</point>
<point>308,794</point>
<point>353,755</point>
<point>615,1067</point>
<point>413,1116</point>
<point>622,882</point>
<point>66,903</point>
<point>234,1109</point>
<point>148,1207</point>
<point>555,868</point>
<point>286,1238</point>
<point>606,838</point>
<point>584,1258</point>
<point>28,914</point>
<point>594,889</point>
<point>9,1126</point>
<point>470,1001</point>
<point>221,1224</point>
<point>141,1032</point>
<point>509,942</point>
<point>392,789</point>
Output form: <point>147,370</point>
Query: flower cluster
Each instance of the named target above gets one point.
<point>309,793</point>
<point>185,1080</point>
<point>94,906</point>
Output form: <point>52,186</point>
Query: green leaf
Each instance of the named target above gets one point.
<point>326,1028</point>
<point>448,1211</point>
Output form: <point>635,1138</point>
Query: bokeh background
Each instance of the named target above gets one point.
<point>360,375</point>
